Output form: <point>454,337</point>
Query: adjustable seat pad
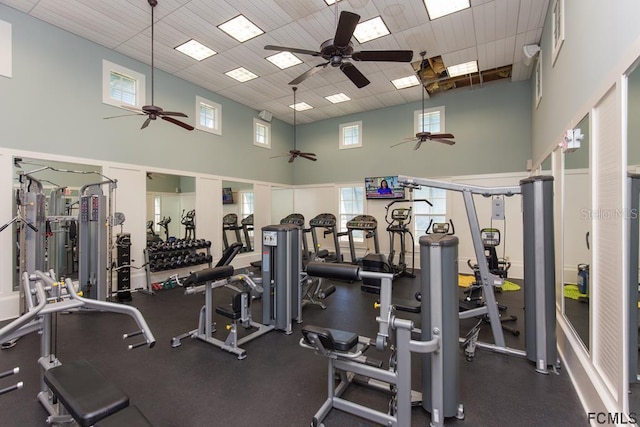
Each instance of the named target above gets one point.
<point>87,394</point>
<point>331,339</point>
<point>334,271</point>
<point>210,274</point>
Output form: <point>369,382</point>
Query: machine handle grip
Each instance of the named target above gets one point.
<point>12,388</point>
<point>10,372</point>
<point>132,334</point>
<point>140,344</point>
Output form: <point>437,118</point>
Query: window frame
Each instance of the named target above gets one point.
<point>343,127</point>
<point>417,119</point>
<point>557,28</point>
<point>257,122</point>
<point>443,195</point>
<point>217,120</point>
<point>358,236</point>
<point>140,79</point>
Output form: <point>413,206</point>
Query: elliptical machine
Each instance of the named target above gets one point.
<point>164,223</point>
<point>189,221</point>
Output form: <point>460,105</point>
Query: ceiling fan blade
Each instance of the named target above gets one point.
<point>442,135</point>
<point>172,113</point>
<point>146,123</point>
<point>346,26</point>
<point>130,108</point>
<point>308,156</point>
<point>310,72</point>
<point>291,159</point>
<point>293,50</point>
<point>418,144</point>
<point>444,141</point>
<point>123,115</point>
<point>383,55</point>
<point>280,155</point>
<point>403,142</point>
<point>354,74</point>
<point>178,122</point>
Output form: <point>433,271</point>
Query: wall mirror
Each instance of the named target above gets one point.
<point>171,201</point>
<point>577,233</point>
<point>633,163</point>
<point>237,214</point>
<point>53,188</point>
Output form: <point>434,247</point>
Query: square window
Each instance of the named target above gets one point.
<point>209,116</point>
<point>557,30</point>
<point>261,133</point>
<point>121,86</point>
<point>350,135</point>
<point>431,120</point>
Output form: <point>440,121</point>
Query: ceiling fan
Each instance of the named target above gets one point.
<point>445,138</point>
<point>296,153</point>
<point>153,111</point>
<point>336,50</point>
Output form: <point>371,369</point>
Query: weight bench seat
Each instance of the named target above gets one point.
<point>86,393</point>
<point>128,417</point>
<point>331,339</point>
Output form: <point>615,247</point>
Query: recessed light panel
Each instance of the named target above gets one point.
<point>284,60</point>
<point>462,69</point>
<point>241,74</point>
<point>196,50</point>
<point>241,29</point>
<point>338,97</point>
<point>301,106</point>
<point>370,30</point>
<point>330,2</point>
<point>406,82</point>
<point>439,8</point>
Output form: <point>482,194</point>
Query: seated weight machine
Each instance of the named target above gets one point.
<point>438,346</point>
<point>64,392</point>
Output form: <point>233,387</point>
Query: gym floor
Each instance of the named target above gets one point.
<point>279,383</point>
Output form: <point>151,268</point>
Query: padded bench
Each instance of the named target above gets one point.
<point>128,417</point>
<point>86,393</point>
<point>331,339</point>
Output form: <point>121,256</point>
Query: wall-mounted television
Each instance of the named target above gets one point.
<point>383,187</point>
<point>227,196</point>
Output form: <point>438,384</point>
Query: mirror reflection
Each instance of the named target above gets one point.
<point>47,197</point>
<point>577,233</point>
<point>633,163</point>
<point>171,201</point>
<point>237,215</point>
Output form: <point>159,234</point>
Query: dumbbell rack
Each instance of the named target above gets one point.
<point>168,256</point>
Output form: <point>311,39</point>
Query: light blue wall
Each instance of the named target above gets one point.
<point>53,104</point>
<point>492,126</point>
<point>597,34</point>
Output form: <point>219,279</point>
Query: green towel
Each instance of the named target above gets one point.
<point>571,291</point>
<point>465,280</point>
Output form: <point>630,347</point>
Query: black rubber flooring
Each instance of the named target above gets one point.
<point>279,383</point>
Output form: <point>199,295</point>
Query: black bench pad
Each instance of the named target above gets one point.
<point>128,417</point>
<point>87,394</point>
<point>331,339</point>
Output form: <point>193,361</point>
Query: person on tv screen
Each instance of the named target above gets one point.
<point>384,187</point>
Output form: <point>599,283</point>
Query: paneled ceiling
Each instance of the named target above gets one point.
<point>493,32</point>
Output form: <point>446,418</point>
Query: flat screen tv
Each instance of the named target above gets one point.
<point>227,196</point>
<point>383,187</point>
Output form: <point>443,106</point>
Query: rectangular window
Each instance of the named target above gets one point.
<point>157,213</point>
<point>351,204</point>
<point>432,120</point>
<point>261,133</point>
<point>423,214</point>
<point>350,135</point>
<point>209,115</point>
<point>246,207</point>
<point>121,86</point>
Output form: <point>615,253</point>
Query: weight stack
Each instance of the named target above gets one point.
<point>123,254</point>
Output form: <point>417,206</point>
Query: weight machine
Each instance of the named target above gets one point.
<point>539,267</point>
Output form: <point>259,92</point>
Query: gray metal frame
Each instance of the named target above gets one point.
<point>633,188</point>
<point>539,265</point>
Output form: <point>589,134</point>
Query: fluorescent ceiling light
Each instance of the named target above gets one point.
<point>439,8</point>
<point>462,69</point>
<point>370,30</point>
<point>338,97</point>
<point>284,60</point>
<point>241,74</point>
<point>196,50</point>
<point>406,82</point>
<point>300,106</point>
<point>241,29</point>
<point>330,2</point>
